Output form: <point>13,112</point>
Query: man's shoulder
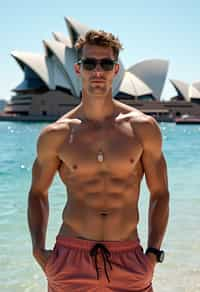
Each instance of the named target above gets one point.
<point>141,119</point>
<point>137,116</point>
<point>145,126</point>
<point>60,127</point>
<point>51,137</point>
<point>55,130</point>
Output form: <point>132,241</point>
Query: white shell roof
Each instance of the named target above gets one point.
<point>67,62</point>
<point>153,72</point>
<point>132,85</point>
<point>58,74</point>
<point>60,78</point>
<point>38,63</point>
<point>182,88</point>
<point>196,84</point>
<point>194,92</point>
<point>75,29</point>
<point>67,57</point>
<point>118,79</point>
<point>58,36</point>
<point>70,60</point>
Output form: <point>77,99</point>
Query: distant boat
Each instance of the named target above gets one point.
<point>186,119</point>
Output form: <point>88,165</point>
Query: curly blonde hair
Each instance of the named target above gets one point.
<point>99,38</point>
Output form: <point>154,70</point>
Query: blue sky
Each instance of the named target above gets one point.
<point>147,29</point>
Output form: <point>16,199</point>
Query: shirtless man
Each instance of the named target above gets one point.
<point>101,149</point>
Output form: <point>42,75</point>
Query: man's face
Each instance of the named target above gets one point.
<point>97,82</point>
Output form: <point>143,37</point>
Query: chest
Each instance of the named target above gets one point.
<point>112,148</point>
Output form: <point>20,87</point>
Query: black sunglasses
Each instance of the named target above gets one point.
<point>90,64</point>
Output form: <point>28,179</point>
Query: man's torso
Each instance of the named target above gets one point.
<point>102,169</point>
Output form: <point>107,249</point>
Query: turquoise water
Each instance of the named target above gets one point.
<point>18,270</point>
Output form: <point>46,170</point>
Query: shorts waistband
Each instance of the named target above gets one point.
<point>88,244</point>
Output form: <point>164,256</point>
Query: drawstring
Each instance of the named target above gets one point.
<point>106,257</point>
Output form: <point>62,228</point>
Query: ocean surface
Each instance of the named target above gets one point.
<point>181,270</point>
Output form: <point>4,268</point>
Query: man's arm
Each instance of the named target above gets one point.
<point>155,169</point>
<point>43,171</point>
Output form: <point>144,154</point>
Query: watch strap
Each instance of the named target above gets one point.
<point>158,253</point>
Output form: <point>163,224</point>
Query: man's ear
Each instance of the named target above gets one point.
<point>116,69</point>
<point>77,68</point>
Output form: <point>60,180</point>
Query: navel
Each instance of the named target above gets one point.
<point>74,167</point>
<point>103,214</point>
<point>131,160</point>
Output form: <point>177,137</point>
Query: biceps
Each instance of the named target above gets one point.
<point>43,173</point>
<point>155,169</point>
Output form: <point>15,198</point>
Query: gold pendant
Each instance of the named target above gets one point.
<point>100,156</point>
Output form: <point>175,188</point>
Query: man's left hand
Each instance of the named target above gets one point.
<point>152,258</point>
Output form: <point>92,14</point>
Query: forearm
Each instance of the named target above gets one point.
<point>158,219</point>
<point>38,213</point>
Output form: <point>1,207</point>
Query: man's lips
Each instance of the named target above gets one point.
<point>98,80</point>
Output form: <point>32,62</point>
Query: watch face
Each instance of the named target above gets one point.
<point>162,256</point>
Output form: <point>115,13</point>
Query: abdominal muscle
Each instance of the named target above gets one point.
<point>115,221</point>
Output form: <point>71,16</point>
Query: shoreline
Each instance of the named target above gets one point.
<point>53,118</point>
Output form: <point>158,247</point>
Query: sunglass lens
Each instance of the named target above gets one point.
<point>107,64</point>
<point>89,64</point>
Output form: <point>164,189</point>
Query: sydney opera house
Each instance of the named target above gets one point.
<point>51,88</point>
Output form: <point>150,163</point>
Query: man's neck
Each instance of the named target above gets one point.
<point>98,109</point>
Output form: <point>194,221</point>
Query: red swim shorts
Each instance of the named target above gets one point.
<point>88,266</point>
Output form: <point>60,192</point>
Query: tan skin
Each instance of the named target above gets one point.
<point>102,196</point>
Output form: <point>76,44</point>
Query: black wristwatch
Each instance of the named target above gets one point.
<point>160,254</point>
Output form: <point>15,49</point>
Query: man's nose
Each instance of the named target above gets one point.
<point>98,70</point>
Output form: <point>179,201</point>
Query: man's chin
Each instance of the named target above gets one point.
<point>97,91</point>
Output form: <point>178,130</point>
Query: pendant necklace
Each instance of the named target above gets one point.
<point>100,156</point>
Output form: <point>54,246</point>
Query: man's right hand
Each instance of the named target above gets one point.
<point>41,256</point>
